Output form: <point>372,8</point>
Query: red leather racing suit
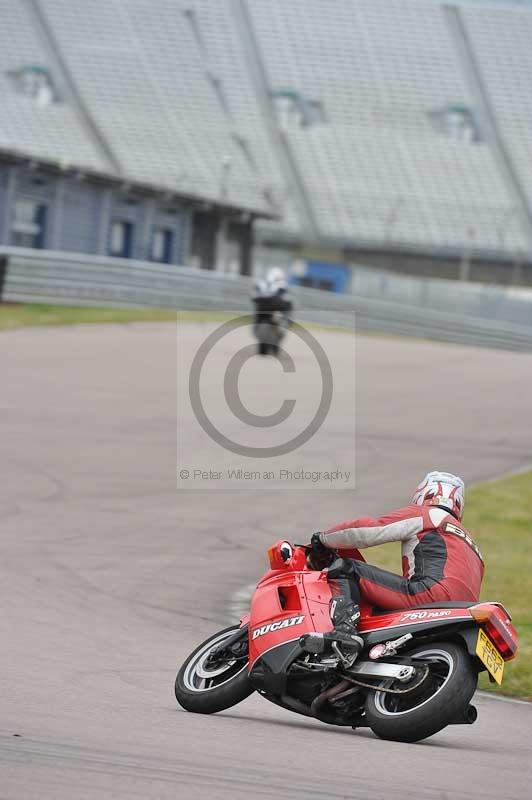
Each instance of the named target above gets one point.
<point>441,562</point>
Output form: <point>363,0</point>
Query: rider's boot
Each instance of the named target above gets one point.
<point>345,615</point>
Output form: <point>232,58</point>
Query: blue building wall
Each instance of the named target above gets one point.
<point>35,186</point>
<point>322,275</point>
<point>79,215</point>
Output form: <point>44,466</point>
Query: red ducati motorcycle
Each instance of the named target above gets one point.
<point>416,674</point>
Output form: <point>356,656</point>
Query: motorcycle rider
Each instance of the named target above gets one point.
<point>441,562</point>
<point>271,301</point>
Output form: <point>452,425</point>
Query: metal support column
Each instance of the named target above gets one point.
<point>279,141</point>
<point>246,248</point>
<point>148,219</point>
<point>68,86</point>
<point>56,237</point>
<point>11,190</point>
<point>104,222</point>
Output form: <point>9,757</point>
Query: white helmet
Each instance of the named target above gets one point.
<point>275,278</point>
<point>441,489</point>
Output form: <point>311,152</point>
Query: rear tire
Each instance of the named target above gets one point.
<point>205,691</point>
<point>434,706</point>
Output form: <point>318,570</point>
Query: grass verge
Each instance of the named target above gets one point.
<point>26,315</point>
<point>21,315</point>
<point>499,515</point>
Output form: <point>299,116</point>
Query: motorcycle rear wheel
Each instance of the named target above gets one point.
<point>442,699</point>
<point>204,689</point>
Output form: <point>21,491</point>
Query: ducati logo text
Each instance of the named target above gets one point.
<point>277,626</point>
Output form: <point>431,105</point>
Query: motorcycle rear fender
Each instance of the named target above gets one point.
<point>469,636</point>
<point>444,627</point>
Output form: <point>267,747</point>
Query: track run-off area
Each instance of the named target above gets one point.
<point>109,576</point>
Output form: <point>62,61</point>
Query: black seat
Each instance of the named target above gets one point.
<point>444,604</point>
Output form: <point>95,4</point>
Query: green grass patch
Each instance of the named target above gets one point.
<point>28,316</point>
<point>21,315</point>
<point>499,515</point>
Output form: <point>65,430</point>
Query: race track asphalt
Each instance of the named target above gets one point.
<point>109,576</point>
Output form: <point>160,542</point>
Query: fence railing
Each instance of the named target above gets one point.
<point>407,306</point>
<point>491,302</point>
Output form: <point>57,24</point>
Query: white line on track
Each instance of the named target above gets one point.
<point>511,472</point>
<point>502,699</point>
<point>240,601</point>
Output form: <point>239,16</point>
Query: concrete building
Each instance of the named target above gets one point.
<point>44,206</point>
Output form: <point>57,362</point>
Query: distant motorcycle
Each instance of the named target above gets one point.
<point>272,310</point>
<point>270,333</point>
<point>416,674</point>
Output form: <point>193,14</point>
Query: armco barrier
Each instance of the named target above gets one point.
<point>505,304</point>
<point>64,278</point>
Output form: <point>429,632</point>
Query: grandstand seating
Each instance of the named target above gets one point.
<point>371,185</point>
<point>169,88</point>
<point>379,171</point>
<point>53,132</point>
<point>142,57</point>
<point>501,38</point>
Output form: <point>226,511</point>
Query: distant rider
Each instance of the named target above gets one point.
<point>440,560</point>
<point>273,307</point>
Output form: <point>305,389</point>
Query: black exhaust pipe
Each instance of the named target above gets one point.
<point>467,717</point>
<point>317,706</point>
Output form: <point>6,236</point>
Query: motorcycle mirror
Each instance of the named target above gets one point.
<point>286,551</point>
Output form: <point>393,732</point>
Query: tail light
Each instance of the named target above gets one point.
<point>496,623</point>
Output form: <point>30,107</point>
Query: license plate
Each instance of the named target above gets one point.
<point>490,656</point>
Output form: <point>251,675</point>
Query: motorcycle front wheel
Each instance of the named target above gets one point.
<point>204,685</point>
<point>442,698</point>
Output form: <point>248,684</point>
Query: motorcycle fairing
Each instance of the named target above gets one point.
<point>269,672</point>
<point>285,593</point>
<point>279,598</point>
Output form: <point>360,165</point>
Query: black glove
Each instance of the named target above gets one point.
<point>317,544</point>
<point>320,556</point>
